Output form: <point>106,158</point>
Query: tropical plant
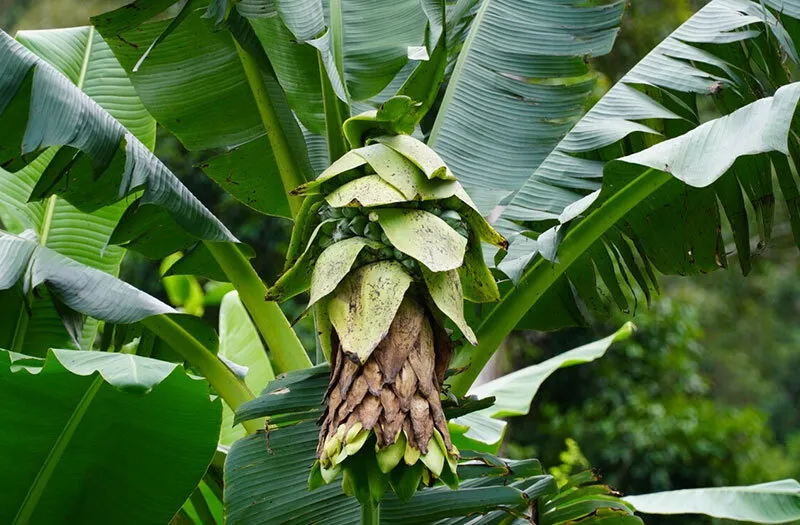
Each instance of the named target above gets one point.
<point>388,131</point>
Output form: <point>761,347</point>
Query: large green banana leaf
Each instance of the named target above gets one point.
<point>91,436</point>
<point>105,162</point>
<point>520,83</point>
<point>195,84</point>
<point>652,210</point>
<point>775,502</point>
<point>729,55</point>
<point>513,393</point>
<point>85,59</point>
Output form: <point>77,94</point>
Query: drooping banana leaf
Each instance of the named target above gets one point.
<point>82,289</point>
<point>775,502</point>
<point>196,85</point>
<point>729,54</point>
<point>73,292</point>
<point>135,321</point>
<point>520,83</point>
<point>105,163</point>
<point>514,392</point>
<point>636,198</point>
<point>74,428</point>
<point>85,59</point>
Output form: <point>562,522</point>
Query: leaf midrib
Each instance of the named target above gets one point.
<point>50,209</point>
<point>39,484</point>
<point>18,342</point>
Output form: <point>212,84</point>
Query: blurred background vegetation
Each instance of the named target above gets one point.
<point>704,394</point>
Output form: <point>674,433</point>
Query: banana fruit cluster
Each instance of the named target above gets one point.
<point>389,245</point>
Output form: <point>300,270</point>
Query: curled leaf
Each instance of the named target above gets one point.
<point>420,154</point>
<point>366,192</point>
<point>347,162</point>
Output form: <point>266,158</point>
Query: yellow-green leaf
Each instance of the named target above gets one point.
<point>392,167</point>
<point>366,192</point>
<point>420,154</point>
<point>423,236</point>
<point>364,305</point>
<point>334,263</point>
<point>348,161</point>
<point>477,281</point>
<point>479,225</point>
<point>445,290</point>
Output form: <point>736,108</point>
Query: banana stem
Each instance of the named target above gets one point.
<point>228,386</point>
<point>370,514</point>
<point>287,351</point>
<point>336,111</point>
<point>290,171</point>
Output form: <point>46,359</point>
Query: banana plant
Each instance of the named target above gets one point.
<point>409,141</point>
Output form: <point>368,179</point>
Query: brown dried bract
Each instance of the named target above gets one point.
<point>397,388</point>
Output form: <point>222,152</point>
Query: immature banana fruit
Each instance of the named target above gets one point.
<point>391,247</point>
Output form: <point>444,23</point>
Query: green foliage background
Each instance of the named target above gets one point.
<point>691,400</point>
